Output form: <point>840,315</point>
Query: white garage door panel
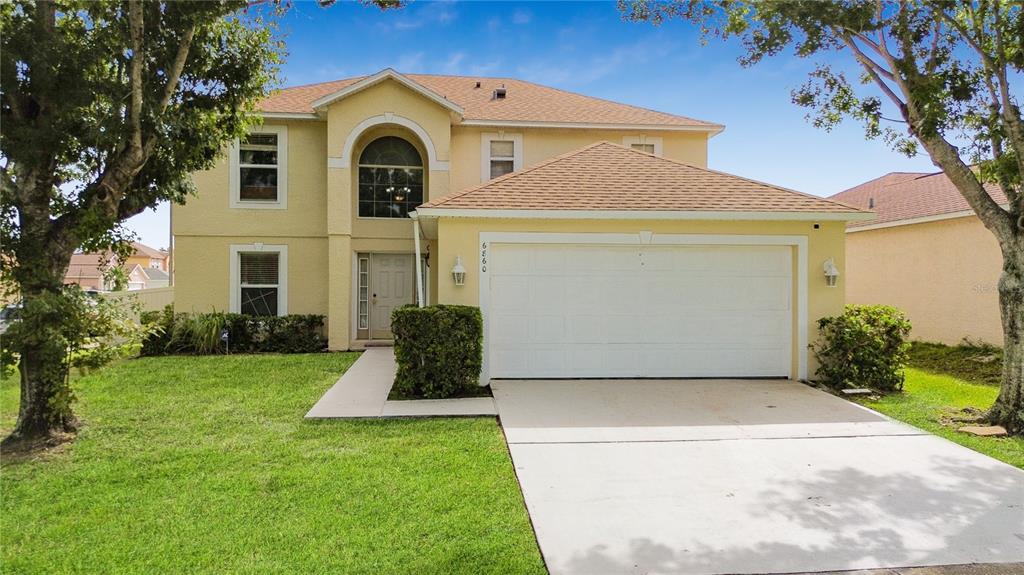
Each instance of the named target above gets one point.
<point>639,311</point>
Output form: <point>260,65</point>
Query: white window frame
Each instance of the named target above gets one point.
<point>235,166</point>
<point>485,152</point>
<point>234,271</point>
<point>641,140</point>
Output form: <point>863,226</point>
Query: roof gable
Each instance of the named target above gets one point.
<point>605,178</point>
<point>386,74</point>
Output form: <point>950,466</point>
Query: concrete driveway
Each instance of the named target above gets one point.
<point>739,476</point>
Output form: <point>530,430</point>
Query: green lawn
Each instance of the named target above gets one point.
<point>205,465</point>
<point>973,363</point>
<point>929,398</point>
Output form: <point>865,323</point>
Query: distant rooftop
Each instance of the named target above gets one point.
<point>899,196</point>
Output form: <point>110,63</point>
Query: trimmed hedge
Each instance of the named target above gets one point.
<point>438,349</point>
<point>865,347</point>
<point>199,334</point>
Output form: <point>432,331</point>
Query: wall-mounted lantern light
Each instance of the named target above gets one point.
<point>459,272</point>
<point>831,273</point>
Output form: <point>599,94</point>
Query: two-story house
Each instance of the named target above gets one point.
<point>590,233</point>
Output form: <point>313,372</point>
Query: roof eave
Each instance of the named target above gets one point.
<point>440,211</point>
<point>290,116</point>
<point>710,129</point>
<point>387,74</point>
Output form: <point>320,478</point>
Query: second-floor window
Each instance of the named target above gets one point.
<point>647,144</point>
<point>500,154</point>
<point>259,175</point>
<point>390,178</point>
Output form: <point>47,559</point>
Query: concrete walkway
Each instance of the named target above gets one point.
<point>362,392</point>
<point>737,476</point>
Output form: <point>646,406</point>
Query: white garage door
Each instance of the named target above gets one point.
<point>571,310</point>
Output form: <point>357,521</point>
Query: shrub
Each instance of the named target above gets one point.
<point>199,334</point>
<point>438,349</point>
<point>866,346</point>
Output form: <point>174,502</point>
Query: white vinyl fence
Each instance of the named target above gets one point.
<point>151,299</point>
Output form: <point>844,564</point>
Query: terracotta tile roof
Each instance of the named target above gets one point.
<point>86,266</point>
<point>607,176</point>
<point>909,195</point>
<point>146,251</point>
<point>524,102</point>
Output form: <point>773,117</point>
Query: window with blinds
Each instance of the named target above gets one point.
<point>503,156</point>
<point>649,148</point>
<point>258,168</point>
<point>260,283</point>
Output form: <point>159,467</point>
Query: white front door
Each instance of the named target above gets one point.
<point>574,310</point>
<point>392,284</point>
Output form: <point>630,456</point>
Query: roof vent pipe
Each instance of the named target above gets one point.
<point>871,203</point>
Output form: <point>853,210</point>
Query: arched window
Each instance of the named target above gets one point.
<point>390,178</point>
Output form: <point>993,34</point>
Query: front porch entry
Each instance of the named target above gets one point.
<point>384,281</point>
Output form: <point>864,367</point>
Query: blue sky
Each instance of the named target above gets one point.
<point>586,47</point>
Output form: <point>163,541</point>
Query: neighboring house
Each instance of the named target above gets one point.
<point>590,233</point>
<point>88,269</point>
<point>145,268</point>
<point>147,257</point>
<point>926,253</point>
<point>145,278</point>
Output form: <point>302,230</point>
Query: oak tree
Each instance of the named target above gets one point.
<point>937,75</point>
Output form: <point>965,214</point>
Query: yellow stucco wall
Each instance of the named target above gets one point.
<point>943,274</point>
<point>202,277</point>
<point>541,144</point>
<point>209,211</point>
<point>461,237</point>
<point>320,224</point>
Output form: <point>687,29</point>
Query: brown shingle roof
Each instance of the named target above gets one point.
<point>524,102</point>
<point>909,195</point>
<point>607,176</point>
<point>144,250</point>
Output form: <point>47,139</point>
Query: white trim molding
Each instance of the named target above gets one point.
<point>912,221</point>
<point>290,116</point>
<point>388,74</point>
<point>711,129</point>
<point>345,161</point>
<point>656,141</point>
<point>485,152</point>
<point>234,278</point>
<point>641,215</point>
<point>234,175</point>
<point>487,239</point>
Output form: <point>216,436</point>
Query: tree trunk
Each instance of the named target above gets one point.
<point>1008,410</point>
<point>45,407</point>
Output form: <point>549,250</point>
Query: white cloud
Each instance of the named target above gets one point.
<point>521,16</point>
<point>451,66</point>
<point>595,67</point>
<point>410,62</point>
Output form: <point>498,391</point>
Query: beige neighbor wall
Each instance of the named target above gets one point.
<point>541,144</point>
<point>943,274</point>
<point>461,237</point>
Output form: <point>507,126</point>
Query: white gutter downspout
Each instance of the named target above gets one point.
<point>419,261</point>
